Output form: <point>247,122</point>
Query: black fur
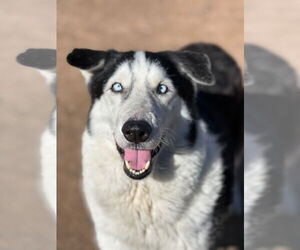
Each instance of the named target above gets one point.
<point>192,134</point>
<point>221,106</point>
<point>101,76</point>
<point>182,83</point>
<point>85,58</point>
<point>44,59</point>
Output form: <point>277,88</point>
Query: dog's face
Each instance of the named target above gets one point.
<point>138,96</point>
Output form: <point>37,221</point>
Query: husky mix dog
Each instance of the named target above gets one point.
<point>272,98</point>
<point>44,60</point>
<point>159,149</point>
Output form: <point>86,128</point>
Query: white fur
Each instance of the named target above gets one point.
<point>48,162</point>
<point>49,75</point>
<point>256,180</point>
<point>172,207</point>
<point>151,214</point>
<point>48,152</point>
<point>87,74</point>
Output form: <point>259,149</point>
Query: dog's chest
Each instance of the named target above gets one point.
<point>138,204</point>
<point>144,218</point>
<point>142,207</point>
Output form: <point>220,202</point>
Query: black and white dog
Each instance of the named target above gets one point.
<point>272,121</point>
<point>44,61</point>
<point>160,146</point>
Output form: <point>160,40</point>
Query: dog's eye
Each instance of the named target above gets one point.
<point>117,87</point>
<point>162,89</point>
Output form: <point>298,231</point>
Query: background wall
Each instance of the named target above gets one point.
<point>122,25</point>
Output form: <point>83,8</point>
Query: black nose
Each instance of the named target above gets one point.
<point>136,131</point>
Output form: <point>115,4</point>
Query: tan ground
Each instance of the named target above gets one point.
<point>123,25</point>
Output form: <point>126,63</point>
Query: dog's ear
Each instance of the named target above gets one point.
<point>193,65</point>
<point>44,61</point>
<point>87,61</point>
<point>41,59</point>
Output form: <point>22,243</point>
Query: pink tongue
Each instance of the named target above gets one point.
<point>137,158</point>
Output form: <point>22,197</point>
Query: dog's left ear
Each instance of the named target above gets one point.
<point>88,61</point>
<point>193,65</point>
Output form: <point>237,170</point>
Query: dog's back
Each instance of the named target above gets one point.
<point>226,99</point>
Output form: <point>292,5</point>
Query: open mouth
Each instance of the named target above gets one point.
<point>137,162</point>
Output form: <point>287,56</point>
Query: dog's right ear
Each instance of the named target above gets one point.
<point>40,59</point>
<point>87,60</point>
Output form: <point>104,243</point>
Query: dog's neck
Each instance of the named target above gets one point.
<point>181,186</point>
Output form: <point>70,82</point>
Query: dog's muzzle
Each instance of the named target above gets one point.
<point>138,162</point>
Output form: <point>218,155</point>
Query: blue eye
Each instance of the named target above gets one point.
<point>117,87</point>
<point>162,89</point>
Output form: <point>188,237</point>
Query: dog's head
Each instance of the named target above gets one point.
<point>139,98</point>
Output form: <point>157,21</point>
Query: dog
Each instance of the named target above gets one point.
<point>159,150</point>
<point>44,61</point>
<point>271,150</point>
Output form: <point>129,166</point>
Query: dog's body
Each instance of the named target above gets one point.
<point>271,142</point>
<point>44,61</point>
<point>192,103</point>
<point>152,214</point>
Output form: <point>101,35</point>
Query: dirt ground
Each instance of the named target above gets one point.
<point>123,25</point>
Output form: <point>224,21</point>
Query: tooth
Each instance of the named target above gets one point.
<point>147,165</point>
<point>127,164</point>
